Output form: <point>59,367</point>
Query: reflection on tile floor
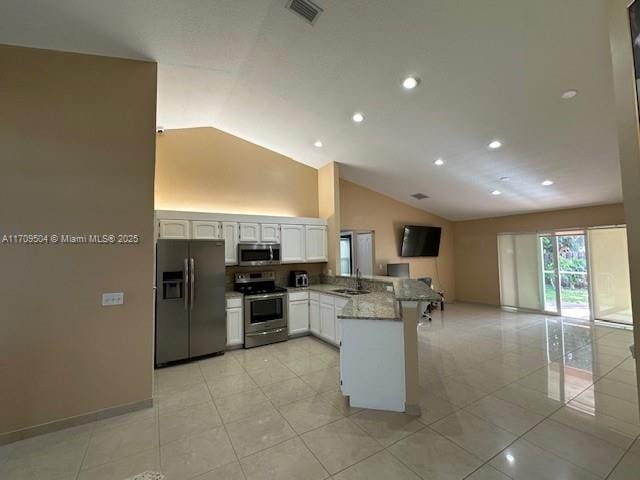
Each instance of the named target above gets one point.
<point>504,395</point>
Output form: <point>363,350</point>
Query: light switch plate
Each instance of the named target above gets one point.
<point>109,299</point>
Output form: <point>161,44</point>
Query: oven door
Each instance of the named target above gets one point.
<point>258,254</point>
<point>264,312</point>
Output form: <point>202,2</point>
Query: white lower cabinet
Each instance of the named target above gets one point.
<point>298,317</point>
<point>314,315</point>
<point>327,318</point>
<point>235,322</point>
<point>339,303</point>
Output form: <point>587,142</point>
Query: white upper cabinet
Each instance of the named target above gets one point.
<point>316,243</point>
<point>249,232</point>
<point>301,239</point>
<point>270,233</point>
<point>178,229</point>
<point>292,244</point>
<point>230,236</point>
<point>205,230</point>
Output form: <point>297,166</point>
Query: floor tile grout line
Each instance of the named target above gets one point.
<point>296,433</point>
<point>86,449</point>
<point>226,431</point>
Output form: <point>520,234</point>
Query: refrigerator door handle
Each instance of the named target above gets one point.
<point>186,283</point>
<point>192,281</point>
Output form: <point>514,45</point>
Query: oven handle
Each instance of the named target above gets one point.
<point>266,295</point>
<point>266,332</point>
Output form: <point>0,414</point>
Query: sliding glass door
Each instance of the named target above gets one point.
<point>574,275</point>
<point>563,259</point>
<point>579,274</point>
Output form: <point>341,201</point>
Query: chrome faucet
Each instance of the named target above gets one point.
<point>358,279</point>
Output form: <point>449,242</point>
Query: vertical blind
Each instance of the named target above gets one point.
<point>519,271</point>
<point>610,284</point>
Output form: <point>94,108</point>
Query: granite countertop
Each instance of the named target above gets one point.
<point>408,290</point>
<point>372,306</point>
<point>321,288</point>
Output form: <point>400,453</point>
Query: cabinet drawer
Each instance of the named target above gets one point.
<point>234,302</point>
<point>314,296</point>
<point>293,296</point>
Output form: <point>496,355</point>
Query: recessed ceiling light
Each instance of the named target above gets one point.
<point>547,183</point>
<point>505,179</point>
<point>318,144</point>
<point>438,161</point>
<point>495,144</point>
<point>410,83</point>
<point>496,192</point>
<point>569,94</point>
<point>357,117</point>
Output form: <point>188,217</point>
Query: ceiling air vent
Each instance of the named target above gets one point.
<point>420,196</point>
<point>306,9</point>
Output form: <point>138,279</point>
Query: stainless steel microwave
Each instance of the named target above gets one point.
<point>259,254</point>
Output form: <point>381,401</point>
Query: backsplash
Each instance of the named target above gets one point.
<point>282,272</point>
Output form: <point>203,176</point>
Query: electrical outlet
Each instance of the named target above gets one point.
<point>109,299</point>
<point>389,288</point>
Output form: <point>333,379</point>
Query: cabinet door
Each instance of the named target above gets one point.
<point>235,330</point>
<point>314,317</point>
<point>206,230</point>
<point>230,236</point>
<point>298,317</point>
<point>292,243</point>
<point>270,233</point>
<point>316,243</point>
<point>339,304</point>
<point>327,320</point>
<point>174,229</point>
<point>249,232</point>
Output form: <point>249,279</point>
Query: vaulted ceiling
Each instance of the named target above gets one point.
<point>490,69</point>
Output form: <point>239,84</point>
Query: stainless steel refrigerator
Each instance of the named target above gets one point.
<point>190,299</point>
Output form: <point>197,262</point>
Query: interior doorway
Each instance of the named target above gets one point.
<point>357,252</point>
<point>565,274</point>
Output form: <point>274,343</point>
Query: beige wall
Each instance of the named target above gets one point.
<point>476,248</point>
<point>329,209</point>
<point>207,170</point>
<point>78,146</point>
<point>364,209</point>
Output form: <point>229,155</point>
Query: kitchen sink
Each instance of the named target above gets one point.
<point>349,291</point>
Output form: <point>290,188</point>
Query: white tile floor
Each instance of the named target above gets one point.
<point>504,395</point>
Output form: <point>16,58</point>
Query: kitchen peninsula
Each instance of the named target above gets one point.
<point>379,349</point>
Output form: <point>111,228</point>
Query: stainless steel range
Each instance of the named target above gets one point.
<point>265,308</point>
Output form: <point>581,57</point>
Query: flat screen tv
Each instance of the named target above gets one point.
<point>420,241</point>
